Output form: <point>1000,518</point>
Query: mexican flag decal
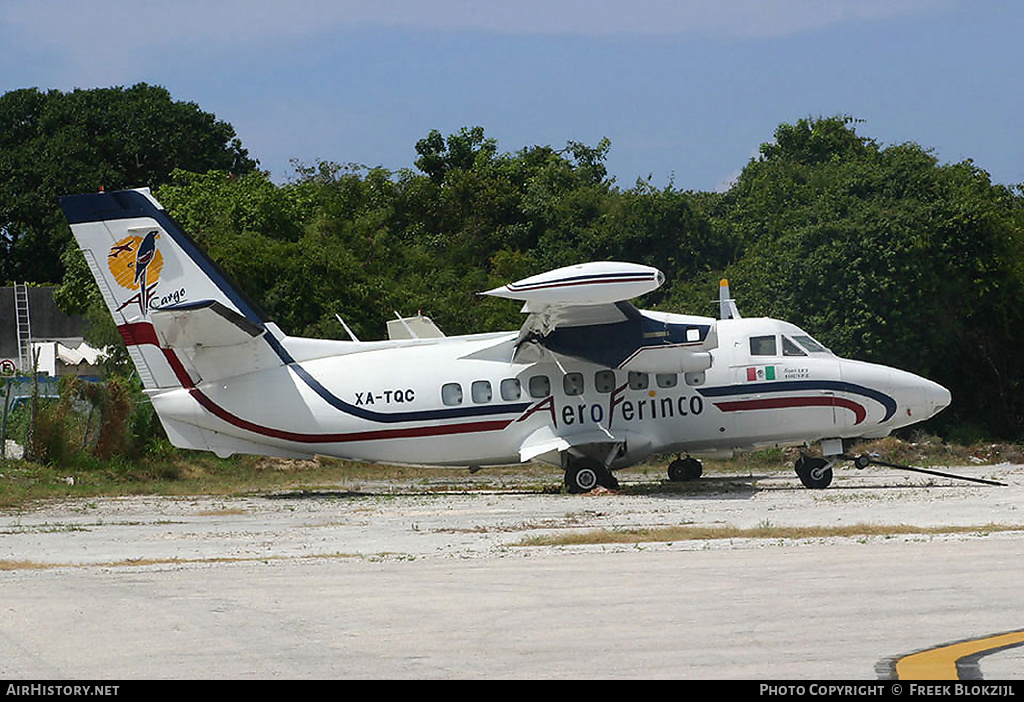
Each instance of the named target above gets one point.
<point>761,373</point>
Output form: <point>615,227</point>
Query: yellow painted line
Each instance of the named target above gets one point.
<point>940,663</point>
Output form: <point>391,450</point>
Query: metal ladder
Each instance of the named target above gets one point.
<point>24,327</point>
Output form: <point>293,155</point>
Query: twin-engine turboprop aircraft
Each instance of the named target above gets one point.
<point>589,383</point>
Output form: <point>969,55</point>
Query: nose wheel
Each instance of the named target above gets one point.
<point>814,472</point>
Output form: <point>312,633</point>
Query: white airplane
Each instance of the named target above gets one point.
<point>589,383</point>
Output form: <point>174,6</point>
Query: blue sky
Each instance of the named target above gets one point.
<point>685,90</point>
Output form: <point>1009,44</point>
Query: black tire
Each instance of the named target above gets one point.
<point>585,474</point>
<point>683,469</point>
<point>815,473</point>
<point>582,476</point>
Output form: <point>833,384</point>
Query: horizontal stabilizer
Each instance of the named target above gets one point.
<point>216,341</point>
<point>202,324</point>
<point>418,327</point>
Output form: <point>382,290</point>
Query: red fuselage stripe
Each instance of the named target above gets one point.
<point>858,410</point>
<point>409,433</point>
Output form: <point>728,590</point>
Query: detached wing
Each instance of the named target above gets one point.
<point>583,312</point>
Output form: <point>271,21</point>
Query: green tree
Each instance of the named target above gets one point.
<point>54,143</point>
<point>890,257</point>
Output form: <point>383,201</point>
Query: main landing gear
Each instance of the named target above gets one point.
<point>682,469</point>
<point>585,474</point>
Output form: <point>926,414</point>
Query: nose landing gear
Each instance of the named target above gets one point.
<point>814,472</point>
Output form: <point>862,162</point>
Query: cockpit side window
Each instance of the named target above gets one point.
<point>791,349</point>
<point>763,346</point>
<point>810,344</point>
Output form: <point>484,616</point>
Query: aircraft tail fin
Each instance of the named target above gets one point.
<point>152,277</point>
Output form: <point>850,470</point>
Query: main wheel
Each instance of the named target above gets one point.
<point>685,469</point>
<point>585,474</point>
<point>581,476</point>
<point>814,472</point>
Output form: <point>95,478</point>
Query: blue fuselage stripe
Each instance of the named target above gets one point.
<point>386,417</point>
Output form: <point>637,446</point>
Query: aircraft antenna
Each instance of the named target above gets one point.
<point>405,324</point>
<point>347,330</point>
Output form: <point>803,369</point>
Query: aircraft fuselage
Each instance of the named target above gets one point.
<point>588,382</point>
<point>461,401</point>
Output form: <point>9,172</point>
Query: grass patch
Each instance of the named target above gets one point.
<point>188,473</point>
<point>766,531</point>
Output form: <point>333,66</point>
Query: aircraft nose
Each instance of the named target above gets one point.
<point>921,397</point>
<point>911,398</point>
<point>937,397</point>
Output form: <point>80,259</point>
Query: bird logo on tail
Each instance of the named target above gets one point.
<point>136,262</point>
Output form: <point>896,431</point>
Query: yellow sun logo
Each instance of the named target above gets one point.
<point>135,260</point>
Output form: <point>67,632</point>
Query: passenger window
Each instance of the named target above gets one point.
<point>638,381</point>
<point>604,381</point>
<point>540,386</point>
<point>451,394</point>
<point>511,389</point>
<point>481,390</point>
<point>763,346</point>
<point>572,383</point>
<point>667,380</point>
<point>791,349</point>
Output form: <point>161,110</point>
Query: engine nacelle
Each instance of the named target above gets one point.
<point>667,359</point>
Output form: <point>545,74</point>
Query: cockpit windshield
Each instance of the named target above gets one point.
<point>791,349</point>
<point>810,344</point>
<point>792,345</point>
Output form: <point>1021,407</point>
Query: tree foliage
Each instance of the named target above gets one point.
<point>888,256</point>
<point>54,143</point>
